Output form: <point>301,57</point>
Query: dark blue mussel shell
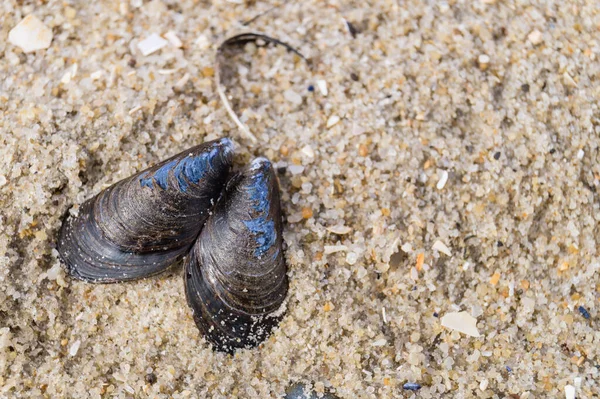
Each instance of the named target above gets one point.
<point>235,276</point>
<point>141,225</point>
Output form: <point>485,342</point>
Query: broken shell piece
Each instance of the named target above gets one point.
<point>332,121</point>
<point>30,35</point>
<point>340,229</point>
<point>441,247</point>
<point>174,39</point>
<point>461,322</point>
<point>151,44</point>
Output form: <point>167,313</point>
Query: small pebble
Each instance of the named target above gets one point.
<point>577,382</point>
<point>296,169</point>
<point>96,75</point>
<point>332,121</point>
<point>351,258</point>
<point>484,61</point>
<point>30,35</point>
<point>311,88</point>
<point>484,384</point>
<point>308,151</point>
<point>584,312</point>
<point>74,348</point>
<point>151,44</point>
<point>535,37</point>
<point>509,369</point>
<point>292,97</point>
<point>173,39</point>
<point>580,154</point>
<point>443,179</point>
<point>151,378</point>
<point>322,85</point>
<point>202,42</point>
<point>379,342</point>
<point>411,386</point>
<point>497,156</point>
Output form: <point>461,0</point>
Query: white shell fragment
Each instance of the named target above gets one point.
<point>322,85</point>
<point>151,44</point>
<point>174,39</point>
<point>441,247</point>
<point>332,121</point>
<point>461,322</point>
<point>339,229</point>
<point>569,392</point>
<point>379,342</point>
<point>443,179</point>
<point>74,348</point>
<point>330,249</point>
<point>30,35</point>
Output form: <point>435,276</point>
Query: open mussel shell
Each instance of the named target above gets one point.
<point>141,225</point>
<point>235,276</point>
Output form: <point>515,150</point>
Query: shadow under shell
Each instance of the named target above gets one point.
<point>143,224</point>
<point>235,278</point>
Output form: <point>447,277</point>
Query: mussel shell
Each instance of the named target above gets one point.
<point>235,277</point>
<point>141,225</point>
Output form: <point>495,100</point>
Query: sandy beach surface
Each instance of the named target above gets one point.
<point>435,157</point>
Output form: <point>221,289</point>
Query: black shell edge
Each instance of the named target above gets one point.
<point>261,326</point>
<point>92,273</point>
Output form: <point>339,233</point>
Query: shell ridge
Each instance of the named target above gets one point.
<point>132,229</point>
<point>237,278</point>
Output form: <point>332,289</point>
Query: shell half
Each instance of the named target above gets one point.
<point>235,278</point>
<point>141,225</point>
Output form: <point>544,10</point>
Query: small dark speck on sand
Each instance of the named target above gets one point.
<point>351,29</point>
<point>552,151</point>
<point>354,77</point>
<point>508,369</point>
<point>525,88</point>
<point>500,244</point>
<point>151,378</point>
<point>497,156</point>
<point>584,312</point>
<point>411,386</point>
<point>311,88</point>
<point>435,314</point>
